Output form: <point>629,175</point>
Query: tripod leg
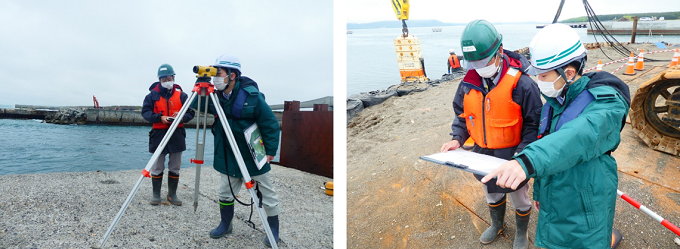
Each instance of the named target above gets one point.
<point>242,165</point>
<point>200,145</point>
<point>145,172</point>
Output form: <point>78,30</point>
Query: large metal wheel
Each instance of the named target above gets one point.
<point>655,112</point>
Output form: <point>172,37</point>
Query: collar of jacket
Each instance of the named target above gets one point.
<point>573,90</point>
<point>474,81</point>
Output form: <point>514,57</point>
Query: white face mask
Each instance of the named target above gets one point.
<point>168,84</point>
<point>488,71</point>
<point>548,88</point>
<point>219,83</point>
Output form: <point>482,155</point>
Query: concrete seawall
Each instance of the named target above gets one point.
<point>102,116</point>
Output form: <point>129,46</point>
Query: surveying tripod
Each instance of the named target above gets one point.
<point>205,89</point>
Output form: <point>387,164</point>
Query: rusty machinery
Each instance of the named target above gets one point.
<point>655,111</point>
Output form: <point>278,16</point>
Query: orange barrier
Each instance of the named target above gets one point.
<point>641,61</point>
<point>676,56</point>
<point>630,69</point>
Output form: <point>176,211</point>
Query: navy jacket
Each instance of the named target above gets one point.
<point>526,94</point>
<point>177,141</point>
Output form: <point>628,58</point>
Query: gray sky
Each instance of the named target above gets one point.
<point>364,11</point>
<point>63,52</point>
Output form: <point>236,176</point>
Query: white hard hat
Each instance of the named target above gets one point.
<point>451,51</point>
<point>228,61</point>
<point>554,47</point>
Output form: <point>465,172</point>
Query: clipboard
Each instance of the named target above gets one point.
<point>255,145</point>
<point>466,160</point>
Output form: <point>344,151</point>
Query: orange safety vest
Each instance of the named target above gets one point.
<point>494,121</point>
<point>453,61</point>
<point>168,108</point>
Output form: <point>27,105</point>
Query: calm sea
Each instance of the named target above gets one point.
<point>372,60</point>
<point>29,146</point>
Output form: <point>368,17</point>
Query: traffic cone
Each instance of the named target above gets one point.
<point>641,61</point>
<point>599,66</point>
<point>630,69</point>
<point>676,56</point>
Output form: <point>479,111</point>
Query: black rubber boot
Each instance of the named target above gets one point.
<point>616,238</point>
<point>274,225</point>
<point>173,180</point>
<point>522,236</point>
<point>156,182</point>
<point>497,211</point>
<point>226,214</point>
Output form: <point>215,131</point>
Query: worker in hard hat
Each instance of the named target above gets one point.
<point>160,107</point>
<point>575,177</point>
<point>243,105</point>
<point>453,63</point>
<point>498,105</point>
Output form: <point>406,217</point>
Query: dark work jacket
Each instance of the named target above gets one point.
<point>246,105</point>
<point>177,141</point>
<point>575,176</point>
<point>526,94</point>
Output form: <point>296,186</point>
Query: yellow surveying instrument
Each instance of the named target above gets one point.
<point>204,89</point>
<point>409,55</point>
<point>203,71</point>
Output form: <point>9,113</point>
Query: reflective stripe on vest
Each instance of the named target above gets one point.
<point>454,62</point>
<point>494,121</point>
<point>572,111</point>
<point>168,108</point>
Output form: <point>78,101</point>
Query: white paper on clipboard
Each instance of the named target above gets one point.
<point>466,160</point>
<point>255,145</point>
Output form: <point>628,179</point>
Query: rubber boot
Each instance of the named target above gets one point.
<point>274,225</point>
<point>156,182</point>
<point>226,214</point>
<point>173,180</point>
<point>522,235</point>
<point>497,211</point>
<point>616,238</point>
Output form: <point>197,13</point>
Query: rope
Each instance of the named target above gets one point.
<point>612,62</point>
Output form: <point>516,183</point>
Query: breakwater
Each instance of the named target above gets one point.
<point>644,28</point>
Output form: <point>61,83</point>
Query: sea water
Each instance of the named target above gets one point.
<point>30,146</point>
<point>372,59</point>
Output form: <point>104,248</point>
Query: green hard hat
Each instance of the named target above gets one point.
<point>165,70</point>
<point>480,40</point>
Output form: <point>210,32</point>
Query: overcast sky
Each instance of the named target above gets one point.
<point>364,11</point>
<point>63,52</point>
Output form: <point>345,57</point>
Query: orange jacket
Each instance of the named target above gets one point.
<point>494,121</point>
<point>453,61</point>
<point>167,107</point>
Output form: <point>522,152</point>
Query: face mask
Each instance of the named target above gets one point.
<point>488,71</point>
<point>548,88</point>
<point>168,84</point>
<point>219,83</point>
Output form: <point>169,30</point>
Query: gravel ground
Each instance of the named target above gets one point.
<point>395,200</point>
<point>74,210</point>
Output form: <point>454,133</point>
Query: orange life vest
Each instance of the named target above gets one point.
<point>168,108</point>
<point>453,61</point>
<point>494,121</point>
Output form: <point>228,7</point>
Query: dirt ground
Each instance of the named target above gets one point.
<point>395,200</point>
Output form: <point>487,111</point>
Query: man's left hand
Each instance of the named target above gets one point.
<point>510,175</point>
<point>269,158</point>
